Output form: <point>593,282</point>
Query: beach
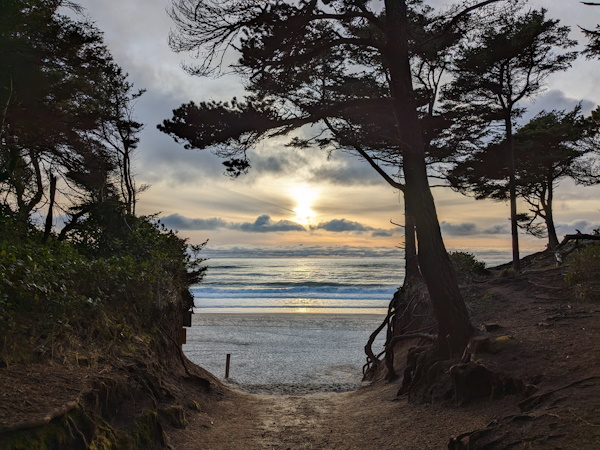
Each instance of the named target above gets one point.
<point>283,352</point>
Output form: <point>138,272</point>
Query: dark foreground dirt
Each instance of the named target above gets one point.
<point>544,338</point>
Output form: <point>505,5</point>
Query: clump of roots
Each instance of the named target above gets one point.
<point>409,318</point>
<point>430,372</point>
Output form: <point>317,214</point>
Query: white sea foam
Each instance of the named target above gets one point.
<point>299,282</point>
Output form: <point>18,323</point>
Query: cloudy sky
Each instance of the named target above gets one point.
<point>303,201</point>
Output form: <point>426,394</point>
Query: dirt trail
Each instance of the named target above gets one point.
<point>294,421</point>
<point>249,421</point>
<point>371,418</point>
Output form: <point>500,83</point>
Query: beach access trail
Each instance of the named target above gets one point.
<point>371,418</point>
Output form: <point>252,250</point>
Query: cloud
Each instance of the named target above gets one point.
<point>459,229</point>
<point>345,169</point>
<point>349,226</point>
<point>342,225</point>
<point>497,229</point>
<point>383,233</point>
<point>179,222</point>
<point>584,226</point>
<point>554,100</point>
<point>264,224</point>
<point>470,229</point>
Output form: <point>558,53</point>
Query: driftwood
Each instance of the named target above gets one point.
<point>580,237</point>
<point>561,251</point>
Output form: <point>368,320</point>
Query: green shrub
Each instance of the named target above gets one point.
<point>467,267</point>
<point>52,291</point>
<point>584,273</point>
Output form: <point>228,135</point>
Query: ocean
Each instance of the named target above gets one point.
<point>298,285</point>
<point>305,285</point>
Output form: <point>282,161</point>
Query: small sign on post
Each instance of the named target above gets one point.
<point>227,362</point>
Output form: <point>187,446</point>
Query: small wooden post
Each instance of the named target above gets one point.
<point>227,361</point>
<point>187,319</point>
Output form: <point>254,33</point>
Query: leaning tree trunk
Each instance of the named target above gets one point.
<point>411,270</point>
<point>451,313</point>
<point>549,217</point>
<point>512,188</point>
<point>49,216</point>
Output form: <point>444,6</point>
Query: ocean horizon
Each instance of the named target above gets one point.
<point>344,285</point>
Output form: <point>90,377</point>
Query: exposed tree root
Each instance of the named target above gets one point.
<point>498,433</point>
<point>536,425</point>
<point>60,411</point>
<point>531,402</point>
<point>409,317</point>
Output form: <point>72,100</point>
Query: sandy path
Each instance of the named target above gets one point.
<point>370,418</point>
<point>295,421</point>
<point>250,421</point>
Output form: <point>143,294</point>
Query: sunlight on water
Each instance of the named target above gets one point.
<point>299,285</point>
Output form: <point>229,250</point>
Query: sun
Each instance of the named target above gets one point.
<point>304,196</point>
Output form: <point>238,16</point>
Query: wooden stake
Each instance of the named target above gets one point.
<point>227,361</point>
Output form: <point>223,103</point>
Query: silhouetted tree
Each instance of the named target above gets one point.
<point>509,62</point>
<point>64,100</point>
<point>552,146</point>
<point>355,108</point>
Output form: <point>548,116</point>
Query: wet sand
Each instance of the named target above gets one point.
<point>284,353</point>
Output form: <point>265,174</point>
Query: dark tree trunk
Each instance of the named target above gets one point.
<point>49,216</point>
<point>449,307</point>
<point>27,206</point>
<point>411,270</point>
<point>549,218</point>
<point>512,188</point>
<point>130,189</point>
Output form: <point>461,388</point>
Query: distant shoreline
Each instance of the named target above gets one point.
<point>292,311</point>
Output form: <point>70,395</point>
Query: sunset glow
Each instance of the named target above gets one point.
<point>304,196</point>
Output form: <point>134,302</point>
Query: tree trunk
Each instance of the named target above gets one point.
<point>49,216</point>
<point>411,270</point>
<point>512,188</point>
<point>549,218</point>
<point>451,313</point>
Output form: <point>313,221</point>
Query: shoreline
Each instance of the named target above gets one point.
<point>292,311</point>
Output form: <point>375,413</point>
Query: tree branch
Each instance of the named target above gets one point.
<point>456,18</point>
<point>369,159</point>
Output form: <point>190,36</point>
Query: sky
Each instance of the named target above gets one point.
<point>304,202</point>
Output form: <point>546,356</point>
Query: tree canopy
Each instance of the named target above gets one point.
<point>552,146</point>
<point>508,62</point>
<point>66,120</point>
